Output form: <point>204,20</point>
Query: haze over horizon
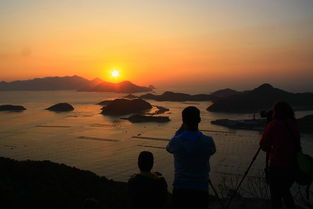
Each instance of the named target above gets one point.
<point>200,45</point>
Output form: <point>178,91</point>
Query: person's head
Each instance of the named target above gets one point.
<point>145,161</point>
<point>283,111</point>
<point>191,117</point>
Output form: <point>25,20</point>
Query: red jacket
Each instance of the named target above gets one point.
<point>281,140</point>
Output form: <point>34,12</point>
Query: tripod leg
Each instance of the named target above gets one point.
<point>216,194</point>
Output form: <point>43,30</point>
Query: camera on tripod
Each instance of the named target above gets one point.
<point>267,114</point>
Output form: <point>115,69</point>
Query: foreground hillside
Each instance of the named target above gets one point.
<point>44,184</point>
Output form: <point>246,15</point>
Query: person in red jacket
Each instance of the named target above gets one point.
<point>281,141</point>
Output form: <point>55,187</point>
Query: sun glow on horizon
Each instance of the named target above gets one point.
<point>115,73</point>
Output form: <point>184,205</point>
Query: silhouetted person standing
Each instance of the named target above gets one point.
<point>147,189</point>
<point>281,140</point>
<point>192,151</point>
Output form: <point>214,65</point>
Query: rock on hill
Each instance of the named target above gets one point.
<point>259,99</point>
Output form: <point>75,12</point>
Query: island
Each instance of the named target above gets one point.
<point>125,106</point>
<point>130,96</point>
<point>61,107</point>
<point>160,110</point>
<point>12,108</point>
<point>104,102</point>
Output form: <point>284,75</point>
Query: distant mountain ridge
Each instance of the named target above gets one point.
<point>249,101</point>
<point>261,98</point>
<point>72,83</point>
<point>174,96</point>
<point>47,83</point>
<point>223,93</point>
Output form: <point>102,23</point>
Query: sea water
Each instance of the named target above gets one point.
<point>109,146</point>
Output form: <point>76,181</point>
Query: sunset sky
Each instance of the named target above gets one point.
<point>202,44</point>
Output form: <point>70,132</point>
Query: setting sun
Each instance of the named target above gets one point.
<point>115,73</point>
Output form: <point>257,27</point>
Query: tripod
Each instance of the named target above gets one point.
<point>244,176</point>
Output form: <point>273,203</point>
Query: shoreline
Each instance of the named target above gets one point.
<point>305,124</point>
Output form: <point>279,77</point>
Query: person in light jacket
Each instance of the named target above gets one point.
<point>192,151</point>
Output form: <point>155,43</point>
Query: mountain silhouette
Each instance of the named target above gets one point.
<point>122,87</point>
<point>71,83</point>
<point>173,96</point>
<point>261,98</point>
<point>223,93</point>
<point>48,83</point>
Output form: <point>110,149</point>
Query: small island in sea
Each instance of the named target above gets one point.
<point>142,110</point>
<point>12,108</point>
<point>125,106</point>
<point>61,107</point>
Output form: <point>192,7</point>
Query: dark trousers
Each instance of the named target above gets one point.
<point>281,179</point>
<point>185,198</point>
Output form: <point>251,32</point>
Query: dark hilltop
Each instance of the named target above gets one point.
<point>44,184</point>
